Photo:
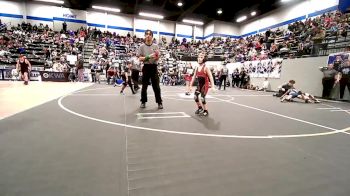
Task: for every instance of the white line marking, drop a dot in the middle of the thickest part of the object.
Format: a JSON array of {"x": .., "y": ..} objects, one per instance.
[
  {"x": 114, "y": 94},
  {"x": 249, "y": 95},
  {"x": 340, "y": 110},
  {"x": 276, "y": 114},
  {"x": 346, "y": 130},
  {"x": 59, "y": 101},
  {"x": 126, "y": 148},
  {"x": 196, "y": 134},
  {"x": 191, "y": 98},
  {"x": 334, "y": 107},
  {"x": 182, "y": 95},
  {"x": 163, "y": 113},
  {"x": 144, "y": 115},
  {"x": 92, "y": 89},
  {"x": 327, "y": 108},
  {"x": 76, "y": 95},
  {"x": 158, "y": 117},
  {"x": 331, "y": 101}
]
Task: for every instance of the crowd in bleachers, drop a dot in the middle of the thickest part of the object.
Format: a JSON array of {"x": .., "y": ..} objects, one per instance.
[
  {"x": 43, "y": 47},
  {"x": 110, "y": 52},
  {"x": 298, "y": 39},
  {"x": 301, "y": 38}
]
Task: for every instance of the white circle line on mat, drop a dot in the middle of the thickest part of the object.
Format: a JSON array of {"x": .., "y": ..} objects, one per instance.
[{"x": 334, "y": 131}]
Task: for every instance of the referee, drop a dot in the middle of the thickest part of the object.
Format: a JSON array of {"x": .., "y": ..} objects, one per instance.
[{"x": 148, "y": 53}]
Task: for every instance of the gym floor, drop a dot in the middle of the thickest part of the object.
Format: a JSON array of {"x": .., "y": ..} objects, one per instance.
[{"x": 90, "y": 140}]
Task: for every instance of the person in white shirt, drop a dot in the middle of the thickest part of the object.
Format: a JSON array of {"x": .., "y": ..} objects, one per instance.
[
  {"x": 136, "y": 66},
  {"x": 265, "y": 85}
]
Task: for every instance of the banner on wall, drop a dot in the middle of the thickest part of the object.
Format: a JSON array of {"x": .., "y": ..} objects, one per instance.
[
  {"x": 54, "y": 76},
  {"x": 12, "y": 74},
  {"x": 337, "y": 59},
  {"x": 270, "y": 68},
  {"x": 72, "y": 59}
]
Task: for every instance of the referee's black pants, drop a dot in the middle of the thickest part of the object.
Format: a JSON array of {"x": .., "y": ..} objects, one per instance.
[
  {"x": 222, "y": 79},
  {"x": 328, "y": 84},
  {"x": 150, "y": 71},
  {"x": 344, "y": 82}
]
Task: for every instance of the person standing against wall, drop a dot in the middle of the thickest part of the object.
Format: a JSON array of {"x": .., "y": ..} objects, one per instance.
[
  {"x": 344, "y": 77},
  {"x": 64, "y": 27},
  {"x": 235, "y": 78},
  {"x": 80, "y": 69},
  {"x": 148, "y": 53},
  {"x": 329, "y": 74},
  {"x": 223, "y": 76}
]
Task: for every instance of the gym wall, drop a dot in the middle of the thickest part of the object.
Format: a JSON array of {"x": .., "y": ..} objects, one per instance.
[{"x": 306, "y": 73}]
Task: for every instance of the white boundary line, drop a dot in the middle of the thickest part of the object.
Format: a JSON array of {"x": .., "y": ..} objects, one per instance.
[
  {"x": 126, "y": 148},
  {"x": 92, "y": 89},
  {"x": 246, "y": 95},
  {"x": 332, "y": 107},
  {"x": 170, "y": 96},
  {"x": 327, "y": 108},
  {"x": 191, "y": 99},
  {"x": 331, "y": 101},
  {"x": 163, "y": 113},
  {"x": 144, "y": 115},
  {"x": 86, "y": 94},
  {"x": 200, "y": 134},
  {"x": 276, "y": 114},
  {"x": 339, "y": 110},
  {"x": 164, "y": 117}
]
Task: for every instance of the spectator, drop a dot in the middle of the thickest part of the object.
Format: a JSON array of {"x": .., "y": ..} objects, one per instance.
[
  {"x": 223, "y": 73},
  {"x": 317, "y": 40},
  {"x": 328, "y": 80},
  {"x": 64, "y": 27},
  {"x": 80, "y": 68},
  {"x": 265, "y": 85},
  {"x": 343, "y": 77}
]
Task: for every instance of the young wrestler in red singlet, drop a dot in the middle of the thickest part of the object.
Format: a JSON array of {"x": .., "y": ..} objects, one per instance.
[{"x": 204, "y": 75}]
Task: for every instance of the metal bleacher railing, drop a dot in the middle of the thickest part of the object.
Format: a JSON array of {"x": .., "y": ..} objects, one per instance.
[{"x": 334, "y": 44}]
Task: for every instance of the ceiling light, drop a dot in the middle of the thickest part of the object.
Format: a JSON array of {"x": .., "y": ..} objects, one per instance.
[
  {"x": 253, "y": 13},
  {"x": 179, "y": 4},
  {"x": 284, "y": 1},
  {"x": 106, "y": 8},
  {"x": 242, "y": 18},
  {"x": 193, "y": 22},
  {"x": 219, "y": 11},
  {"x": 151, "y": 15},
  {"x": 52, "y": 1}
]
